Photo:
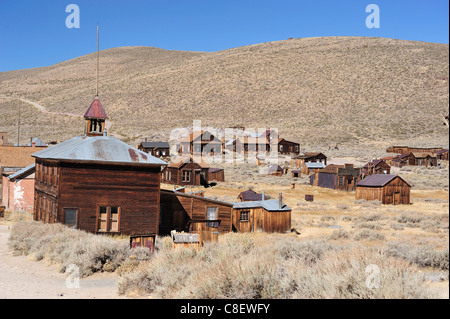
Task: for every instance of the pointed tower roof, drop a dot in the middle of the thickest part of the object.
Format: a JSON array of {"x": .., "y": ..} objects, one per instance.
[{"x": 95, "y": 110}]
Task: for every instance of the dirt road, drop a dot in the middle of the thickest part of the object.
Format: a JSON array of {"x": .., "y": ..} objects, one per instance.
[{"x": 22, "y": 278}]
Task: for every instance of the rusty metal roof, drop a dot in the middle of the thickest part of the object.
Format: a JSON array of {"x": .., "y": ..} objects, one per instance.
[
  {"x": 378, "y": 180},
  {"x": 101, "y": 149},
  {"x": 95, "y": 110}
]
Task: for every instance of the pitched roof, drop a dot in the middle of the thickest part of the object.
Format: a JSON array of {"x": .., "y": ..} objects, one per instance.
[
  {"x": 214, "y": 170},
  {"x": 155, "y": 144},
  {"x": 102, "y": 149},
  {"x": 95, "y": 110},
  {"x": 251, "y": 195},
  {"x": 17, "y": 156},
  {"x": 378, "y": 180},
  {"x": 423, "y": 154},
  {"x": 332, "y": 168},
  {"x": 24, "y": 172},
  {"x": 314, "y": 164},
  {"x": 309, "y": 155},
  {"x": 274, "y": 168},
  {"x": 180, "y": 161},
  {"x": 204, "y": 136}
]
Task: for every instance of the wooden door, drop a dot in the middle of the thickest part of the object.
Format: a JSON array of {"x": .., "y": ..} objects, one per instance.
[{"x": 397, "y": 199}]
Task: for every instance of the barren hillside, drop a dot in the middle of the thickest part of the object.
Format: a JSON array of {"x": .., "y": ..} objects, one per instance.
[{"x": 318, "y": 91}]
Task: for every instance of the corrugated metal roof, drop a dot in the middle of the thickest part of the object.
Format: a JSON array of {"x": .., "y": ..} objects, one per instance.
[
  {"x": 96, "y": 110},
  {"x": 29, "y": 169},
  {"x": 315, "y": 165},
  {"x": 155, "y": 144},
  {"x": 378, "y": 180},
  {"x": 271, "y": 205},
  {"x": 104, "y": 149}
]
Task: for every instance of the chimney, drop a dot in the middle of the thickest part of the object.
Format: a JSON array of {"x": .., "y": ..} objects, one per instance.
[
  {"x": 33, "y": 144},
  {"x": 280, "y": 201},
  {"x": 262, "y": 196},
  {"x": 146, "y": 139}
]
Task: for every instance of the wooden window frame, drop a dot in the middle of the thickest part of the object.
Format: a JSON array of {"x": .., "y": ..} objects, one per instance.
[
  {"x": 341, "y": 181},
  {"x": 188, "y": 175},
  {"x": 108, "y": 218},
  {"x": 244, "y": 213}
]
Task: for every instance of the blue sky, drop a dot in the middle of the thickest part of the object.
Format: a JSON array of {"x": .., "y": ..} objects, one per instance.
[{"x": 34, "y": 33}]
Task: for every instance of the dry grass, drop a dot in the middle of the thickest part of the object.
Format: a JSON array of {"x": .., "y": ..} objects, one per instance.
[
  {"x": 283, "y": 267},
  {"x": 59, "y": 245}
]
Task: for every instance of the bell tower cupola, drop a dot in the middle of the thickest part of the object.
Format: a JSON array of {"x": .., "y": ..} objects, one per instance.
[{"x": 95, "y": 118}]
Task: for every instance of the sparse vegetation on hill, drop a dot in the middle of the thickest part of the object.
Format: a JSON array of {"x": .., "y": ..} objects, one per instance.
[{"x": 363, "y": 90}]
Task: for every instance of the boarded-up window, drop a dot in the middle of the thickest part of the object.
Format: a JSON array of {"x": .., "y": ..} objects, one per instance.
[
  {"x": 102, "y": 218},
  {"x": 114, "y": 218},
  {"x": 211, "y": 213},
  {"x": 108, "y": 218},
  {"x": 70, "y": 217}
]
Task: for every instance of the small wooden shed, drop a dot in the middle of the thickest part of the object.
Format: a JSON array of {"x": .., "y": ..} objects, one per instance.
[
  {"x": 388, "y": 189},
  {"x": 377, "y": 166},
  {"x": 262, "y": 216}
]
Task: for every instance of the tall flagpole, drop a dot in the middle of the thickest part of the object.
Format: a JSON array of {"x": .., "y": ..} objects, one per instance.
[{"x": 96, "y": 94}]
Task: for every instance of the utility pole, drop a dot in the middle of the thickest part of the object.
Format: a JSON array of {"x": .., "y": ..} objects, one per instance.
[{"x": 18, "y": 128}]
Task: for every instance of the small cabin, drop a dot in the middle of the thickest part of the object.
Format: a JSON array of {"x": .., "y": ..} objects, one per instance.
[
  {"x": 287, "y": 147},
  {"x": 275, "y": 169},
  {"x": 186, "y": 171},
  {"x": 184, "y": 212},
  {"x": 377, "y": 166},
  {"x": 388, "y": 189},
  {"x": 216, "y": 174},
  {"x": 251, "y": 195},
  {"x": 309, "y": 167},
  {"x": 271, "y": 216},
  {"x": 341, "y": 177},
  {"x": 200, "y": 143},
  {"x": 422, "y": 159},
  {"x": 316, "y": 157},
  {"x": 156, "y": 149}
]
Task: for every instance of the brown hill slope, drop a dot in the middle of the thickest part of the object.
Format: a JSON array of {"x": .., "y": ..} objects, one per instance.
[{"x": 315, "y": 90}]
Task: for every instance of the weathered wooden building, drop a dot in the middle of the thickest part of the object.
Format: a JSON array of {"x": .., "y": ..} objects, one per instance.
[
  {"x": 262, "y": 216},
  {"x": 156, "y": 149},
  {"x": 246, "y": 144},
  {"x": 286, "y": 147},
  {"x": 275, "y": 169},
  {"x": 216, "y": 174},
  {"x": 98, "y": 183},
  {"x": 442, "y": 155},
  {"x": 186, "y": 171},
  {"x": 386, "y": 188},
  {"x": 377, "y": 166},
  {"x": 309, "y": 167},
  {"x": 315, "y": 157},
  {"x": 422, "y": 159},
  {"x": 200, "y": 142},
  {"x": 409, "y": 149},
  {"x": 194, "y": 214},
  {"x": 251, "y": 195},
  {"x": 341, "y": 177}
]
